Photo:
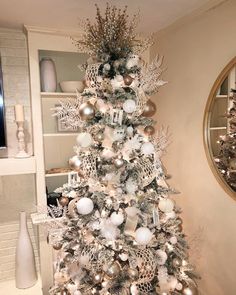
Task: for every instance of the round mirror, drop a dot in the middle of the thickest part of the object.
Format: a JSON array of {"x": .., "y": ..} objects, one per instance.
[{"x": 220, "y": 128}]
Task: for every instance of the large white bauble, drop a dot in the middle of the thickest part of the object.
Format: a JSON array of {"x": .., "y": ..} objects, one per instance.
[
  {"x": 147, "y": 148},
  {"x": 143, "y": 235},
  {"x": 84, "y": 206},
  {"x": 166, "y": 205},
  {"x": 129, "y": 106},
  {"x": 117, "y": 218},
  {"x": 134, "y": 290},
  {"x": 161, "y": 257},
  {"x": 84, "y": 139}
]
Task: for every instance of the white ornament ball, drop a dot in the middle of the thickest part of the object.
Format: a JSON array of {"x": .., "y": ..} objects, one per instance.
[
  {"x": 173, "y": 240},
  {"x": 130, "y": 131},
  {"x": 143, "y": 235},
  {"x": 134, "y": 290},
  {"x": 129, "y": 106},
  {"x": 84, "y": 206},
  {"x": 179, "y": 287},
  {"x": 119, "y": 78},
  {"x": 147, "y": 148},
  {"x": 107, "y": 67},
  {"x": 84, "y": 139},
  {"x": 124, "y": 256},
  {"x": 117, "y": 218},
  {"x": 161, "y": 257},
  {"x": 77, "y": 293},
  {"x": 166, "y": 205}
]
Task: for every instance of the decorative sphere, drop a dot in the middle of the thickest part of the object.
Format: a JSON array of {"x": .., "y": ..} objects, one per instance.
[
  {"x": 119, "y": 162},
  {"x": 98, "y": 277},
  {"x": 99, "y": 136},
  {"x": 84, "y": 139},
  {"x": 161, "y": 257},
  {"x": 57, "y": 246},
  {"x": 63, "y": 201},
  {"x": 133, "y": 273},
  {"x": 107, "y": 67},
  {"x": 149, "y": 130},
  {"x": 190, "y": 290},
  {"x": 117, "y": 218},
  {"x": 176, "y": 262},
  {"x": 75, "y": 163},
  {"x": 128, "y": 80},
  {"x": 147, "y": 148},
  {"x": 166, "y": 205},
  {"x": 129, "y": 106},
  {"x": 86, "y": 111},
  {"x": 173, "y": 240},
  {"x": 179, "y": 287},
  {"x": 77, "y": 293},
  {"x": 143, "y": 235},
  {"x": 113, "y": 270},
  {"x": 149, "y": 109},
  {"x": 134, "y": 290},
  {"x": 84, "y": 206}
]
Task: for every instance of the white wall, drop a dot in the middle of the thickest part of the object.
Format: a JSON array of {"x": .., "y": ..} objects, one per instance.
[{"x": 196, "y": 49}]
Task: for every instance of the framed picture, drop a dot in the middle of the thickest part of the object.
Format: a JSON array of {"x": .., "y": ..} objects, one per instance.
[{"x": 2, "y": 119}]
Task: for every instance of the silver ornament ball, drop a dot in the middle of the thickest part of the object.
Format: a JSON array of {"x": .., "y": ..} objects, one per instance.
[
  {"x": 75, "y": 163},
  {"x": 119, "y": 162},
  {"x": 133, "y": 273},
  {"x": 190, "y": 290},
  {"x": 113, "y": 270}
]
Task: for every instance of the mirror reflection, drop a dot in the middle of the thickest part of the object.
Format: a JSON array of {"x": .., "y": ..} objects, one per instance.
[{"x": 222, "y": 128}]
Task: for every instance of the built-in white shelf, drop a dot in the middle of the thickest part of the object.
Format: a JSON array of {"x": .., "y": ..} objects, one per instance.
[
  {"x": 58, "y": 94},
  {"x": 14, "y": 166},
  {"x": 56, "y": 174},
  {"x": 218, "y": 128},
  {"x": 59, "y": 134}
]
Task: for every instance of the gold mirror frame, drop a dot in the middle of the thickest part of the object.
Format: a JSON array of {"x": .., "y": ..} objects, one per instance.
[{"x": 206, "y": 128}]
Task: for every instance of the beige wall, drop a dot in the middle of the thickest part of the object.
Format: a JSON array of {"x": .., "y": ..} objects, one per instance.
[{"x": 196, "y": 50}]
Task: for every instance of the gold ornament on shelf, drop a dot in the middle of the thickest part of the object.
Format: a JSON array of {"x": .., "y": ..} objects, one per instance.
[
  {"x": 128, "y": 80},
  {"x": 86, "y": 111},
  {"x": 149, "y": 109},
  {"x": 149, "y": 130},
  {"x": 63, "y": 201}
]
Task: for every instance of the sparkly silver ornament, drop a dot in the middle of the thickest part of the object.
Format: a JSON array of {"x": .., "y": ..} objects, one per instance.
[
  {"x": 75, "y": 163},
  {"x": 86, "y": 111}
]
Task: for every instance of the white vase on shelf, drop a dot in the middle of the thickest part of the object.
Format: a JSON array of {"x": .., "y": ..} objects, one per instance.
[
  {"x": 26, "y": 275},
  {"x": 48, "y": 75}
]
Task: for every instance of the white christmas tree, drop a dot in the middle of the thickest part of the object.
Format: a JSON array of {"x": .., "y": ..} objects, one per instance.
[{"x": 120, "y": 232}]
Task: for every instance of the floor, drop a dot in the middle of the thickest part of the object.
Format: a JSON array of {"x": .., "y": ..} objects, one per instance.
[{"x": 8, "y": 287}]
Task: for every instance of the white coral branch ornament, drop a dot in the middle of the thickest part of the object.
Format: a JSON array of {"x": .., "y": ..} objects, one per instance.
[{"x": 150, "y": 76}]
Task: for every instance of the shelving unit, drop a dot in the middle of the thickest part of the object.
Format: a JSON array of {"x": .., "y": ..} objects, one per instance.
[{"x": 14, "y": 166}]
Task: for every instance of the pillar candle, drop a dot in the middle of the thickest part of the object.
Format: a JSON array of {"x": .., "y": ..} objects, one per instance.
[{"x": 19, "y": 113}]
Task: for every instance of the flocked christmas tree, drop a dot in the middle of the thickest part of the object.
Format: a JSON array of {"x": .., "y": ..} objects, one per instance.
[
  {"x": 120, "y": 232},
  {"x": 226, "y": 161}
]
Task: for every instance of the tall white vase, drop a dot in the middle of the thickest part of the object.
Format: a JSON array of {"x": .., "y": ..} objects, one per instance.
[
  {"x": 26, "y": 275},
  {"x": 48, "y": 75}
]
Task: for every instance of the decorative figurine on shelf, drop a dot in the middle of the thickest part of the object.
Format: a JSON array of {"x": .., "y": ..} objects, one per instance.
[{"x": 20, "y": 118}]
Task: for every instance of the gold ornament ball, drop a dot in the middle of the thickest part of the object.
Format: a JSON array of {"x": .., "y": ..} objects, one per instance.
[
  {"x": 99, "y": 136},
  {"x": 190, "y": 290},
  {"x": 176, "y": 262},
  {"x": 119, "y": 162},
  {"x": 149, "y": 109},
  {"x": 63, "y": 201},
  {"x": 127, "y": 80},
  {"x": 57, "y": 246},
  {"x": 149, "y": 130},
  {"x": 113, "y": 270},
  {"x": 75, "y": 163},
  {"x": 133, "y": 273},
  {"x": 97, "y": 278},
  {"x": 86, "y": 111}
]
